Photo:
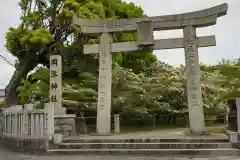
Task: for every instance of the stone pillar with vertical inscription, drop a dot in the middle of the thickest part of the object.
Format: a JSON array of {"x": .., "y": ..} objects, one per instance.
[
  {"x": 55, "y": 95},
  {"x": 193, "y": 73},
  {"x": 104, "y": 86}
]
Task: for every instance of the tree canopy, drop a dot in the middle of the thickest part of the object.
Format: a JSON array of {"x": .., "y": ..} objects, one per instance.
[{"x": 46, "y": 29}]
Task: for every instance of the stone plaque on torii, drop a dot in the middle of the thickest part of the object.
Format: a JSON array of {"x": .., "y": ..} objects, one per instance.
[{"x": 145, "y": 28}]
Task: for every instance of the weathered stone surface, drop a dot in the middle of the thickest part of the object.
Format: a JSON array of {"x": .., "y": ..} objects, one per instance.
[
  {"x": 81, "y": 127},
  {"x": 104, "y": 86},
  {"x": 145, "y": 33},
  {"x": 116, "y": 123},
  {"x": 205, "y": 41},
  {"x": 65, "y": 125},
  {"x": 238, "y": 113},
  {"x": 238, "y": 144},
  {"x": 233, "y": 136},
  {"x": 200, "y": 18},
  {"x": 129, "y": 144},
  {"x": 1, "y": 124},
  {"x": 149, "y": 140},
  {"x": 232, "y": 120},
  {"x": 17, "y": 108},
  {"x": 194, "y": 93},
  {"x": 55, "y": 87},
  {"x": 6, "y": 155},
  {"x": 159, "y": 152},
  {"x": 121, "y": 145},
  {"x": 143, "y": 145},
  {"x": 58, "y": 138},
  {"x": 26, "y": 145}
]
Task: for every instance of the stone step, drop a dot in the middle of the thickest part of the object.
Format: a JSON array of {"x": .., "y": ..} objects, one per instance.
[
  {"x": 161, "y": 152},
  {"x": 148, "y": 140},
  {"x": 142, "y": 145}
]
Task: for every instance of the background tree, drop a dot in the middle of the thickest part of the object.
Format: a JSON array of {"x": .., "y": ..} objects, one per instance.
[{"x": 46, "y": 29}]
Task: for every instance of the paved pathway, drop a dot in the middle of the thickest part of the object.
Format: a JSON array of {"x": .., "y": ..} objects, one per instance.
[
  {"x": 165, "y": 133},
  {"x": 7, "y": 155},
  {"x": 15, "y": 156}
]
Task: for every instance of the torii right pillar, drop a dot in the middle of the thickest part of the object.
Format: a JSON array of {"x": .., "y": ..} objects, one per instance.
[
  {"x": 192, "y": 70},
  {"x": 193, "y": 74}
]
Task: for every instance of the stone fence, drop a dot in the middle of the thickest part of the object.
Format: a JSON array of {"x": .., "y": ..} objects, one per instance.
[{"x": 28, "y": 129}]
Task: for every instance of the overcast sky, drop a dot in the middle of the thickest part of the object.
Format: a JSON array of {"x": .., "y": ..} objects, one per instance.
[{"x": 227, "y": 30}]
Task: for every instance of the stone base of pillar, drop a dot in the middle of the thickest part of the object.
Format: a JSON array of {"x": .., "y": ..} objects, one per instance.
[
  {"x": 197, "y": 134},
  {"x": 65, "y": 124},
  {"x": 101, "y": 134}
]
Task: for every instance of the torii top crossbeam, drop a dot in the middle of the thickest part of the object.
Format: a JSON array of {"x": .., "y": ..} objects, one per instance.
[{"x": 202, "y": 18}]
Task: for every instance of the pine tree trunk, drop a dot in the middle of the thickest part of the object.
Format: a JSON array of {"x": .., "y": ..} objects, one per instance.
[{"x": 11, "y": 93}]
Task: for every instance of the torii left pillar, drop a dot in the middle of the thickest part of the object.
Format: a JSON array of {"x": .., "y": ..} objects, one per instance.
[{"x": 104, "y": 85}]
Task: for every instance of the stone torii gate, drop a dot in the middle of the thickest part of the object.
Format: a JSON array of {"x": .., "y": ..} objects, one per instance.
[{"x": 145, "y": 27}]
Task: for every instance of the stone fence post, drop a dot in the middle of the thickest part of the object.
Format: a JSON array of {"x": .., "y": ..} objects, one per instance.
[
  {"x": 116, "y": 123},
  {"x": 49, "y": 111}
]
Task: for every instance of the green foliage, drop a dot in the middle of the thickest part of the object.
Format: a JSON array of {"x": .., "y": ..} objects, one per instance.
[
  {"x": 35, "y": 88},
  {"x": 13, "y": 38},
  {"x": 133, "y": 95},
  {"x": 229, "y": 79}
]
